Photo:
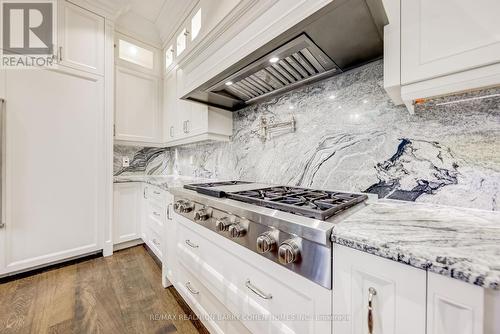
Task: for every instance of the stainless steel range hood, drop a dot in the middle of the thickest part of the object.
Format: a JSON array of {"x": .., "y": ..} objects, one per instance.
[{"x": 343, "y": 35}]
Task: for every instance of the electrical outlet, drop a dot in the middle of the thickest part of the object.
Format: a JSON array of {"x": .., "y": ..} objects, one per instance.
[{"x": 125, "y": 162}]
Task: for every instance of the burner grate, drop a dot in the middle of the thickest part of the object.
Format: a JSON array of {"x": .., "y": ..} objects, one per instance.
[{"x": 319, "y": 204}]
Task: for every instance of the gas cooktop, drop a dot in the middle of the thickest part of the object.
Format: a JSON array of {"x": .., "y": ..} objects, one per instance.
[{"x": 318, "y": 204}]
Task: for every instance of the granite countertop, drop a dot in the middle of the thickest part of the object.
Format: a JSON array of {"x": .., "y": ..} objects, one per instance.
[
  {"x": 162, "y": 181},
  {"x": 460, "y": 243}
]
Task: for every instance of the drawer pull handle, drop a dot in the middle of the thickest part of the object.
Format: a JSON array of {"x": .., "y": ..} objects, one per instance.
[
  {"x": 169, "y": 216},
  {"x": 156, "y": 192},
  {"x": 371, "y": 293},
  {"x": 156, "y": 214},
  {"x": 190, "y": 244},
  {"x": 190, "y": 288},
  {"x": 257, "y": 291}
]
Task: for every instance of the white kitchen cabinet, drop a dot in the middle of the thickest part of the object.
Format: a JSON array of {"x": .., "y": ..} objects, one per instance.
[
  {"x": 173, "y": 119},
  {"x": 127, "y": 208},
  {"x": 156, "y": 203},
  {"x": 447, "y": 36},
  {"x": 399, "y": 305},
  {"x": 137, "y": 112},
  {"x": 52, "y": 213},
  {"x": 435, "y": 48},
  {"x": 455, "y": 307},
  {"x": 249, "y": 285},
  {"x": 169, "y": 234},
  {"x": 80, "y": 38},
  {"x": 188, "y": 122}
]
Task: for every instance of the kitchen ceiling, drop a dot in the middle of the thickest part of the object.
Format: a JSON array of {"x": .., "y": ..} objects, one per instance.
[{"x": 164, "y": 15}]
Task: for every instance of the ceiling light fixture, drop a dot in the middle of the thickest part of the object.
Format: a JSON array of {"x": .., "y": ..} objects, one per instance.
[
  {"x": 274, "y": 60},
  {"x": 332, "y": 97}
]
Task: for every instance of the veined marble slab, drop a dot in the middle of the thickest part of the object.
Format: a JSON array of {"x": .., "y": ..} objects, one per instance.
[{"x": 460, "y": 243}]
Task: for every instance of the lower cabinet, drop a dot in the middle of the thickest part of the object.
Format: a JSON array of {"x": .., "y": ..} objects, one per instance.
[
  {"x": 126, "y": 212},
  {"x": 455, "y": 307},
  {"x": 261, "y": 296},
  {"x": 141, "y": 211},
  {"x": 374, "y": 295}
]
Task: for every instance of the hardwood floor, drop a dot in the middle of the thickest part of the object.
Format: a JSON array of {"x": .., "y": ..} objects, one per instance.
[{"x": 118, "y": 294}]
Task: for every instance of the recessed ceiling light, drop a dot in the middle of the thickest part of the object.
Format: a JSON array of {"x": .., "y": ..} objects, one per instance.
[
  {"x": 274, "y": 59},
  {"x": 291, "y": 107},
  {"x": 340, "y": 107},
  {"x": 332, "y": 97},
  {"x": 365, "y": 101},
  {"x": 229, "y": 83}
]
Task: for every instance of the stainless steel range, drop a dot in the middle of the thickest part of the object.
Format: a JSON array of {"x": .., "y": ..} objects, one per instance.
[{"x": 290, "y": 226}]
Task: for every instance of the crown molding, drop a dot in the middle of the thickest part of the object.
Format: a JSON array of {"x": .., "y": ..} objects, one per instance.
[
  {"x": 173, "y": 9},
  {"x": 220, "y": 31},
  {"x": 110, "y": 9}
]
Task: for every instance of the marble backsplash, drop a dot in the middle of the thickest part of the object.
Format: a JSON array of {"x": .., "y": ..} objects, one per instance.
[{"x": 350, "y": 136}]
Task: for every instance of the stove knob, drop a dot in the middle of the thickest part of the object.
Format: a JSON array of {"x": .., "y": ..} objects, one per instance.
[
  {"x": 186, "y": 207},
  {"x": 178, "y": 204},
  {"x": 289, "y": 251},
  {"x": 202, "y": 215},
  {"x": 266, "y": 242},
  {"x": 223, "y": 224},
  {"x": 236, "y": 231}
]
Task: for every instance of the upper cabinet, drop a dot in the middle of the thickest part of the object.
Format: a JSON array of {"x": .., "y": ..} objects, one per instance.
[
  {"x": 447, "y": 36},
  {"x": 187, "y": 122},
  {"x": 80, "y": 39},
  {"x": 137, "y": 93},
  {"x": 445, "y": 47}
]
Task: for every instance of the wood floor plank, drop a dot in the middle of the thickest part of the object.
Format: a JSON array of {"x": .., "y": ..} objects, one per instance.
[{"x": 119, "y": 294}]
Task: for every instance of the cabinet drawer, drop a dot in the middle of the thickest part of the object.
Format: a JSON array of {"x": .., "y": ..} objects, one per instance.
[
  {"x": 153, "y": 193},
  {"x": 154, "y": 241},
  {"x": 237, "y": 279},
  {"x": 207, "y": 307},
  {"x": 155, "y": 217}
]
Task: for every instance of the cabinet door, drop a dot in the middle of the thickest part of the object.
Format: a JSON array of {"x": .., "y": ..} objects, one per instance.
[
  {"x": 191, "y": 116},
  {"x": 173, "y": 128},
  {"x": 398, "y": 305},
  {"x": 447, "y": 36},
  {"x": 126, "y": 212},
  {"x": 136, "y": 106},
  {"x": 454, "y": 307},
  {"x": 53, "y": 212},
  {"x": 170, "y": 242},
  {"x": 81, "y": 38},
  {"x": 197, "y": 118}
]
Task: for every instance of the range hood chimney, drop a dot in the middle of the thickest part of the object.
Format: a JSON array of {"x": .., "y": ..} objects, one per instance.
[{"x": 343, "y": 35}]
